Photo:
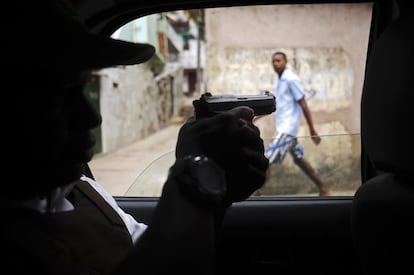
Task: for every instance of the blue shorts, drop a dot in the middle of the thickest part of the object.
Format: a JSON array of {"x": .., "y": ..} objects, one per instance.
[{"x": 280, "y": 145}]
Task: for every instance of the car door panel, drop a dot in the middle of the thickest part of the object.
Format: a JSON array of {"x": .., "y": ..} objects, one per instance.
[{"x": 278, "y": 235}]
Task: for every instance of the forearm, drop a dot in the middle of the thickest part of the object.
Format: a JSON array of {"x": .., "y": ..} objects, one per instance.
[
  {"x": 307, "y": 116},
  {"x": 309, "y": 121},
  {"x": 180, "y": 238}
]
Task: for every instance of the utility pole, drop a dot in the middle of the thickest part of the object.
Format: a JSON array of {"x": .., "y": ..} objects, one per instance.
[{"x": 200, "y": 22}]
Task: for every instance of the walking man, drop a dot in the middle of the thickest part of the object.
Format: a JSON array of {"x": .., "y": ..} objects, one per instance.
[{"x": 291, "y": 103}]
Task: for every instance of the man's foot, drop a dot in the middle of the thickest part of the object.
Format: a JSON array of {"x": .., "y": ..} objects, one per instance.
[{"x": 325, "y": 192}]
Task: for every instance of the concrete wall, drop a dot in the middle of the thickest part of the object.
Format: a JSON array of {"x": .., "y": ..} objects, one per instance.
[
  {"x": 135, "y": 104},
  {"x": 325, "y": 44}
]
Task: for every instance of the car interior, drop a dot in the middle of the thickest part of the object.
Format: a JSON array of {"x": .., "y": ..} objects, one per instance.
[{"x": 369, "y": 232}]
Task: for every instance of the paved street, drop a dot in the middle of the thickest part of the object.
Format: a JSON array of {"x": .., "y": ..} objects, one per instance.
[
  {"x": 117, "y": 171},
  {"x": 141, "y": 168}
]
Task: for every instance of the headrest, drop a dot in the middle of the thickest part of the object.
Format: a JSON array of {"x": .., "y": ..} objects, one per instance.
[{"x": 387, "y": 109}]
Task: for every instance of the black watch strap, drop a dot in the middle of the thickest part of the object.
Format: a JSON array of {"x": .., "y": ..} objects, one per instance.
[{"x": 200, "y": 179}]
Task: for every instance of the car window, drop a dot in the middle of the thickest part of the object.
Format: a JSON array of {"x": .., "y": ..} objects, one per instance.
[
  {"x": 229, "y": 51},
  {"x": 341, "y": 172}
]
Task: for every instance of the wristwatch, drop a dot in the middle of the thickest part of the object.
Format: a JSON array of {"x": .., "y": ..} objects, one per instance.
[{"x": 200, "y": 179}]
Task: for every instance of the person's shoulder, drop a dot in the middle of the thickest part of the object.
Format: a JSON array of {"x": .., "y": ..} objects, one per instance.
[{"x": 289, "y": 75}]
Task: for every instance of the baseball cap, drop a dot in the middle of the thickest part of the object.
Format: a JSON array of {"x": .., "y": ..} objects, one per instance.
[{"x": 49, "y": 34}]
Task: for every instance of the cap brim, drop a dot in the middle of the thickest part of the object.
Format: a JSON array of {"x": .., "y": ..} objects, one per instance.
[
  {"x": 64, "y": 42},
  {"x": 100, "y": 52}
]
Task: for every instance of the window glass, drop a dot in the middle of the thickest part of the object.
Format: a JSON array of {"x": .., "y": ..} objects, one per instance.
[{"x": 229, "y": 51}]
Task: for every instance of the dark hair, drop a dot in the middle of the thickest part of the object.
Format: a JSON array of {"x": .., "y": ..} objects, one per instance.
[{"x": 281, "y": 53}]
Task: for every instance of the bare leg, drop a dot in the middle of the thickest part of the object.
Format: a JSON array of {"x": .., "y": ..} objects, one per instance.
[{"x": 310, "y": 172}]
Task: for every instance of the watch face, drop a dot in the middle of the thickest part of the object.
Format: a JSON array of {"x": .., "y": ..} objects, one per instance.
[
  {"x": 211, "y": 178},
  {"x": 207, "y": 184}
]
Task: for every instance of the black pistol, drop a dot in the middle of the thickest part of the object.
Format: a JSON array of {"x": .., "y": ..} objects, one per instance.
[{"x": 209, "y": 105}]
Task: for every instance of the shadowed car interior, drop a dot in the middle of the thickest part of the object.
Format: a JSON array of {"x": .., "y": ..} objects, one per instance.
[
  {"x": 367, "y": 227},
  {"x": 320, "y": 236}
]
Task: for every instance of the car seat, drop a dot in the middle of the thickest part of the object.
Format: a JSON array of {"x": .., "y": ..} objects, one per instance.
[{"x": 383, "y": 207}]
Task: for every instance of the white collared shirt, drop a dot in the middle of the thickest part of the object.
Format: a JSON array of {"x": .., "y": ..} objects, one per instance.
[
  {"x": 57, "y": 202},
  {"x": 288, "y": 91}
]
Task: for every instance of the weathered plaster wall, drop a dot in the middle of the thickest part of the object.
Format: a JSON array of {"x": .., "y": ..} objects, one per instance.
[
  {"x": 134, "y": 104},
  {"x": 326, "y": 46}
]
